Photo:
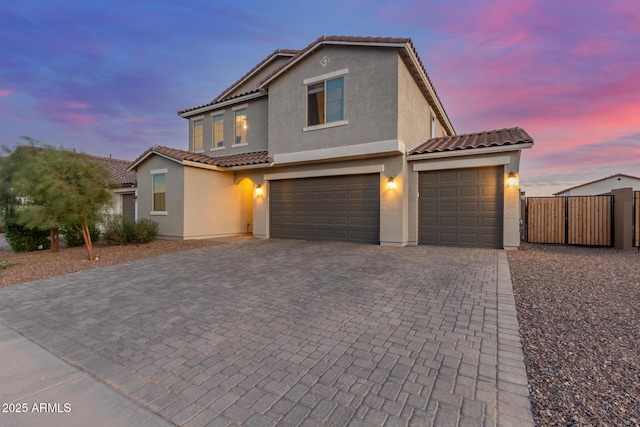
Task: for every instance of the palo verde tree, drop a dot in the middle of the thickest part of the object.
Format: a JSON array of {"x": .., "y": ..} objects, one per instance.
[{"x": 59, "y": 188}]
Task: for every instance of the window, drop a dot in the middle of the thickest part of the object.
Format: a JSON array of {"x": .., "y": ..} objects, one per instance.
[
  {"x": 325, "y": 102},
  {"x": 433, "y": 127},
  {"x": 197, "y": 135},
  {"x": 218, "y": 131},
  {"x": 159, "y": 192},
  {"x": 241, "y": 127}
]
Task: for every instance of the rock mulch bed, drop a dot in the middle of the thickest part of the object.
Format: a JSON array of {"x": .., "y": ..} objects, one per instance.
[
  {"x": 25, "y": 267},
  {"x": 579, "y": 314}
]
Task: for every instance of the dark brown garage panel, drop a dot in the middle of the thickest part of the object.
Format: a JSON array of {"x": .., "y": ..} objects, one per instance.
[
  {"x": 461, "y": 207},
  {"x": 326, "y": 208}
]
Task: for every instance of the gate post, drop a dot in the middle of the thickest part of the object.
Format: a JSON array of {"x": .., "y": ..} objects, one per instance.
[{"x": 623, "y": 218}]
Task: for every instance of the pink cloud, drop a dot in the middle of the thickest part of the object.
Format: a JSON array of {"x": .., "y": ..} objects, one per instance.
[
  {"x": 67, "y": 112},
  {"x": 77, "y": 105},
  {"x": 5, "y": 92}
]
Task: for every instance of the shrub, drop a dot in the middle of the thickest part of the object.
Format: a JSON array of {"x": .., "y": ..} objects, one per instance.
[
  {"x": 114, "y": 230},
  {"x": 22, "y": 239},
  {"x": 143, "y": 231},
  {"x": 72, "y": 237},
  {"x": 120, "y": 230}
]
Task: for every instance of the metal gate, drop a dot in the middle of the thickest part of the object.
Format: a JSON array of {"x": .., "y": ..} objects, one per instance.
[{"x": 572, "y": 220}]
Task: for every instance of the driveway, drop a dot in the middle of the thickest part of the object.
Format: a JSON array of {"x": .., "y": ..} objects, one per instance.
[{"x": 282, "y": 332}]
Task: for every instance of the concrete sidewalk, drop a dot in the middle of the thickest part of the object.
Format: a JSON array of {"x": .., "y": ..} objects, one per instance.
[{"x": 40, "y": 389}]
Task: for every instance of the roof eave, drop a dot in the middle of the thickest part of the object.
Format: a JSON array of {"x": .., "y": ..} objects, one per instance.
[
  {"x": 135, "y": 164},
  {"x": 430, "y": 89},
  {"x": 470, "y": 151},
  {"x": 263, "y": 85},
  {"x": 252, "y": 73},
  {"x": 211, "y": 107}
]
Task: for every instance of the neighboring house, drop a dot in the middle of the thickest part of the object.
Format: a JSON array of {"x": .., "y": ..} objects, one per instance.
[
  {"x": 345, "y": 139},
  {"x": 125, "y": 192},
  {"x": 602, "y": 186}
]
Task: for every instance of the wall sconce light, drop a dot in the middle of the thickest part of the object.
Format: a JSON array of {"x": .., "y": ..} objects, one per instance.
[
  {"x": 391, "y": 184},
  {"x": 512, "y": 179},
  {"x": 259, "y": 190}
]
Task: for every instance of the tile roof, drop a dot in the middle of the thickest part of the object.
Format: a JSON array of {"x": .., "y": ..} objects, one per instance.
[
  {"x": 491, "y": 138},
  {"x": 118, "y": 169},
  {"x": 335, "y": 39},
  {"x": 240, "y": 95},
  {"x": 274, "y": 54},
  {"x": 409, "y": 54},
  {"x": 244, "y": 159},
  {"x": 221, "y": 97}
]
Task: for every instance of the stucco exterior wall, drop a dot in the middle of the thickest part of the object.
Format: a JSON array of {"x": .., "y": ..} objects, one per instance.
[
  {"x": 414, "y": 112},
  {"x": 171, "y": 224},
  {"x": 257, "y": 125},
  {"x": 370, "y": 100},
  {"x": 214, "y": 205}
]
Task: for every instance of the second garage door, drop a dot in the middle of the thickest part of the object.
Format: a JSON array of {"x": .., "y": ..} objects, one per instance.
[
  {"x": 461, "y": 207},
  {"x": 326, "y": 208}
]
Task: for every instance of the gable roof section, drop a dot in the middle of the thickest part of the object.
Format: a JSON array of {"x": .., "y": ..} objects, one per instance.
[
  {"x": 492, "y": 138},
  {"x": 224, "y": 95},
  {"x": 407, "y": 52},
  {"x": 195, "y": 159},
  {"x": 118, "y": 169},
  {"x": 596, "y": 181},
  {"x": 277, "y": 53}
]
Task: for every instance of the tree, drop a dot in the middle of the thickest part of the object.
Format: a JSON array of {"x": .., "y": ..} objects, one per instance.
[{"x": 57, "y": 188}]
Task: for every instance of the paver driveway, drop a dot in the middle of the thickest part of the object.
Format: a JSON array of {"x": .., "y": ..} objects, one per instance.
[{"x": 292, "y": 333}]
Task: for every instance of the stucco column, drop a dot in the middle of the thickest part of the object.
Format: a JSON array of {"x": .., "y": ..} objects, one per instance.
[
  {"x": 511, "y": 215},
  {"x": 623, "y": 218}
]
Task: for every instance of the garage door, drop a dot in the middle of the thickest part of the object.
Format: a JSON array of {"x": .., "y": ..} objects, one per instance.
[
  {"x": 328, "y": 208},
  {"x": 461, "y": 207}
]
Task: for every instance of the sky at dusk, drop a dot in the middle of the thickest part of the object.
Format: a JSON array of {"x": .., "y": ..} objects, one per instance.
[{"x": 107, "y": 77}]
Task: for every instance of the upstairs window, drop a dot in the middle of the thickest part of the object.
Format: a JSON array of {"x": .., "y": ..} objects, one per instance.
[
  {"x": 159, "y": 192},
  {"x": 197, "y": 135},
  {"x": 241, "y": 127},
  {"x": 325, "y": 102},
  {"x": 218, "y": 131}
]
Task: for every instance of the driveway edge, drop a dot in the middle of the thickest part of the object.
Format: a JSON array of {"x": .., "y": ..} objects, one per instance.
[{"x": 513, "y": 404}]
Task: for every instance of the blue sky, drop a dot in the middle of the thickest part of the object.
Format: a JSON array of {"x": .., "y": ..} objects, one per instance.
[{"x": 107, "y": 77}]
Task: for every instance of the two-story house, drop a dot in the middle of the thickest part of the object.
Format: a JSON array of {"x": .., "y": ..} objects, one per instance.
[{"x": 345, "y": 139}]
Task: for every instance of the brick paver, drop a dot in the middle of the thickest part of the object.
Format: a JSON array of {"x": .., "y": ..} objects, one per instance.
[{"x": 293, "y": 333}]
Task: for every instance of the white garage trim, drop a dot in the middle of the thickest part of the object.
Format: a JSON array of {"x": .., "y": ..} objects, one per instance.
[
  {"x": 358, "y": 170},
  {"x": 367, "y": 149},
  {"x": 467, "y": 163},
  {"x": 469, "y": 152}
]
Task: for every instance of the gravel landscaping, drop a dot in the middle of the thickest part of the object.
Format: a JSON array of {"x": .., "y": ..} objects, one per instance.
[
  {"x": 579, "y": 314},
  {"x": 28, "y": 266}
]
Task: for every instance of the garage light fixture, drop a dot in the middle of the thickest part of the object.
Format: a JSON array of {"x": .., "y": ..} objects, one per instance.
[
  {"x": 258, "y": 190},
  {"x": 512, "y": 179},
  {"x": 391, "y": 184}
]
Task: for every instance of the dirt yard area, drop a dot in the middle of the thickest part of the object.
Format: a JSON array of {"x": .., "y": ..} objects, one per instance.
[
  {"x": 25, "y": 267},
  {"x": 579, "y": 314}
]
